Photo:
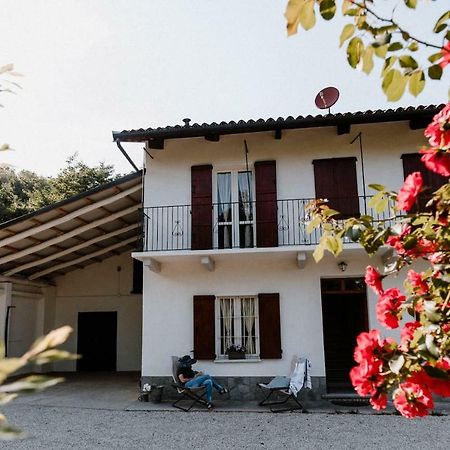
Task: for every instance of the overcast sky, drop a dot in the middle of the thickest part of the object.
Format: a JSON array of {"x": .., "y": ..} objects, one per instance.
[{"x": 93, "y": 66}]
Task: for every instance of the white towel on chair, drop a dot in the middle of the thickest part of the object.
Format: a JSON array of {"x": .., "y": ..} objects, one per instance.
[{"x": 300, "y": 377}]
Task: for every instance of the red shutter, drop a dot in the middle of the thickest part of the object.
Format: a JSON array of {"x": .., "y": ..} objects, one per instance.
[
  {"x": 204, "y": 329},
  {"x": 432, "y": 181},
  {"x": 201, "y": 196},
  {"x": 335, "y": 179},
  {"x": 266, "y": 204},
  {"x": 269, "y": 326}
]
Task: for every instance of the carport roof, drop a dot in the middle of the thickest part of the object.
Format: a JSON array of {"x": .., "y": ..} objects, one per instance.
[{"x": 73, "y": 233}]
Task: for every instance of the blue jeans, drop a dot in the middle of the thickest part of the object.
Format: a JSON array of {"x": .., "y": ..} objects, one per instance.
[{"x": 205, "y": 380}]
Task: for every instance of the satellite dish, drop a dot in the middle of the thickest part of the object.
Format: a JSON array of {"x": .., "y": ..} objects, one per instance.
[{"x": 327, "y": 97}]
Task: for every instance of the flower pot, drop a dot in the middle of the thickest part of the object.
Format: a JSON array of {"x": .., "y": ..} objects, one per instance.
[{"x": 236, "y": 355}]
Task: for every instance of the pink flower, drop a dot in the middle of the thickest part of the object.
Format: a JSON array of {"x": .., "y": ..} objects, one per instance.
[
  {"x": 366, "y": 377},
  {"x": 373, "y": 279},
  {"x": 367, "y": 345},
  {"x": 412, "y": 400},
  {"x": 407, "y": 332},
  {"x": 388, "y": 307},
  {"x": 379, "y": 401},
  {"x": 436, "y": 161},
  {"x": 438, "y": 132},
  {"x": 408, "y": 193},
  {"x": 420, "y": 286},
  {"x": 445, "y": 61}
]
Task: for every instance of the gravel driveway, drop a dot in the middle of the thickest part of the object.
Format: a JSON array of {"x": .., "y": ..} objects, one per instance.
[{"x": 77, "y": 428}]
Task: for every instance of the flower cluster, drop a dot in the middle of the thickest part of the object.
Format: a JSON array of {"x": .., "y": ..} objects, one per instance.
[
  {"x": 235, "y": 348},
  {"x": 419, "y": 366}
]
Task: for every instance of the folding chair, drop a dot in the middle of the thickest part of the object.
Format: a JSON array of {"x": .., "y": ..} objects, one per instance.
[
  {"x": 194, "y": 395},
  {"x": 287, "y": 387}
]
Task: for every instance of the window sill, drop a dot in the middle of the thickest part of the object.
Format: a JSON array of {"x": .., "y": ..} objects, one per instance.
[{"x": 233, "y": 361}]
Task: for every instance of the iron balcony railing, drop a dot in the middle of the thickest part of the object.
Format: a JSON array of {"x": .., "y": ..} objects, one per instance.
[{"x": 234, "y": 224}]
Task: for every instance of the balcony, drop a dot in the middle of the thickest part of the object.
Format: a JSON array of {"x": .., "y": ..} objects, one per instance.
[{"x": 237, "y": 225}]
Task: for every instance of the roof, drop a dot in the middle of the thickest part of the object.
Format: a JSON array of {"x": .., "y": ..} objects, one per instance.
[
  {"x": 209, "y": 130},
  {"x": 73, "y": 233}
]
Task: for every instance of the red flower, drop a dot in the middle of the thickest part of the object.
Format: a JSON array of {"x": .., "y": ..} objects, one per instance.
[
  {"x": 366, "y": 377},
  {"x": 379, "y": 401},
  {"x": 373, "y": 279},
  {"x": 388, "y": 307},
  {"x": 438, "y": 132},
  {"x": 367, "y": 345},
  {"x": 396, "y": 241},
  {"x": 408, "y": 193},
  {"x": 440, "y": 386},
  {"x": 412, "y": 400},
  {"x": 445, "y": 61},
  {"x": 407, "y": 332},
  {"x": 436, "y": 160},
  {"x": 417, "y": 282}
]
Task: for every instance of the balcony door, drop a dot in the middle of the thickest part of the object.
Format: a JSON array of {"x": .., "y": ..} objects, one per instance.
[
  {"x": 234, "y": 210},
  {"x": 335, "y": 179}
]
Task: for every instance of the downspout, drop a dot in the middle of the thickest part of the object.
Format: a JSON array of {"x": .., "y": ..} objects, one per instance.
[{"x": 124, "y": 153}]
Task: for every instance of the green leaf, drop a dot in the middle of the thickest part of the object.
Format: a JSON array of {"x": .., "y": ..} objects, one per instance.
[
  {"x": 413, "y": 47},
  {"x": 381, "y": 50},
  {"x": 354, "y": 51},
  {"x": 394, "y": 84},
  {"x": 368, "y": 60},
  {"x": 435, "y": 57},
  {"x": 307, "y": 14},
  {"x": 377, "y": 187},
  {"x": 319, "y": 251},
  {"x": 347, "y": 33},
  {"x": 334, "y": 245},
  {"x": 431, "y": 345},
  {"x": 435, "y": 72},
  {"x": 408, "y": 61},
  {"x": 416, "y": 83},
  {"x": 395, "y": 46},
  {"x": 327, "y": 9},
  {"x": 388, "y": 63},
  {"x": 313, "y": 224},
  {"x": 396, "y": 363},
  {"x": 440, "y": 24}
]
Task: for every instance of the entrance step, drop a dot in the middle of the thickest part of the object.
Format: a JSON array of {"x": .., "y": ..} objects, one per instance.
[{"x": 346, "y": 399}]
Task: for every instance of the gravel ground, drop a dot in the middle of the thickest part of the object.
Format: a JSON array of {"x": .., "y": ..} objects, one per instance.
[{"x": 72, "y": 428}]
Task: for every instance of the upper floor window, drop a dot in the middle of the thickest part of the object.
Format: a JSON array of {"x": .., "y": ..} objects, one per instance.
[{"x": 234, "y": 209}]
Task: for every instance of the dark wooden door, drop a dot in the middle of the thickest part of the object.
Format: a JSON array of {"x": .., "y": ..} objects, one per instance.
[
  {"x": 344, "y": 316},
  {"x": 97, "y": 341}
]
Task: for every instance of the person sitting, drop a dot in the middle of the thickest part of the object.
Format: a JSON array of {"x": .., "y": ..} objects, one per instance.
[{"x": 192, "y": 379}]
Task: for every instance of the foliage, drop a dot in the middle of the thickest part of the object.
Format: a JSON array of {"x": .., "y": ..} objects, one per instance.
[
  {"x": 25, "y": 191},
  {"x": 371, "y": 34},
  {"x": 41, "y": 352},
  {"x": 420, "y": 364}
]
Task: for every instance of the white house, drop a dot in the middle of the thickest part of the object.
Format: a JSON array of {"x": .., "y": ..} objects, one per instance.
[{"x": 227, "y": 259}]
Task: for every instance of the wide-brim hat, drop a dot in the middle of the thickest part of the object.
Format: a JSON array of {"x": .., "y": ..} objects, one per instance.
[{"x": 186, "y": 361}]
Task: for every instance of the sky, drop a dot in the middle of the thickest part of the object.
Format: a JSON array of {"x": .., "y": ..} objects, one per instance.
[{"x": 93, "y": 66}]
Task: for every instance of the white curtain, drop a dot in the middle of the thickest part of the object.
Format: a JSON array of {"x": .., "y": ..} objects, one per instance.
[
  {"x": 244, "y": 181},
  {"x": 224, "y": 206},
  {"x": 248, "y": 313},
  {"x": 226, "y": 312}
]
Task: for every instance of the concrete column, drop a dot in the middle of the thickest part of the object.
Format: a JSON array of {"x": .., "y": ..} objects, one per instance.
[{"x": 45, "y": 320}]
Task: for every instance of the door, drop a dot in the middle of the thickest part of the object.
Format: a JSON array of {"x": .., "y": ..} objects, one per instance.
[
  {"x": 344, "y": 316},
  {"x": 97, "y": 341}
]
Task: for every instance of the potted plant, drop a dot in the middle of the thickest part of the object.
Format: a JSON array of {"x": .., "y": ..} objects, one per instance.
[{"x": 236, "y": 351}]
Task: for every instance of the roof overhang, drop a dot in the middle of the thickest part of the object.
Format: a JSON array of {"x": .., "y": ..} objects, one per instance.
[
  {"x": 73, "y": 233},
  {"x": 418, "y": 117}
]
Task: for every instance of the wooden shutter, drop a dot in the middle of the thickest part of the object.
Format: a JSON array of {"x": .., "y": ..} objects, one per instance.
[
  {"x": 204, "y": 330},
  {"x": 266, "y": 204},
  {"x": 201, "y": 199},
  {"x": 432, "y": 181},
  {"x": 335, "y": 179},
  {"x": 269, "y": 326}
]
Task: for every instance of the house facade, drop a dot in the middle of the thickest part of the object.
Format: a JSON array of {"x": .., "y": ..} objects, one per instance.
[{"x": 228, "y": 268}]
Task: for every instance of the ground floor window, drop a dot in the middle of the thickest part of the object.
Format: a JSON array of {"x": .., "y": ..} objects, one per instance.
[{"x": 237, "y": 326}]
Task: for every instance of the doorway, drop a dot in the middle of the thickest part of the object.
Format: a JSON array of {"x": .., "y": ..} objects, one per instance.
[
  {"x": 344, "y": 316},
  {"x": 97, "y": 341}
]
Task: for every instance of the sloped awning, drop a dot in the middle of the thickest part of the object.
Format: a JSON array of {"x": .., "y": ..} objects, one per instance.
[{"x": 73, "y": 233}]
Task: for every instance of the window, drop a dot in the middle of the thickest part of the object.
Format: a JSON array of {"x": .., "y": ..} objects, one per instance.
[
  {"x": 237, "y": 324},
  {"x": 234, "y": 210}
]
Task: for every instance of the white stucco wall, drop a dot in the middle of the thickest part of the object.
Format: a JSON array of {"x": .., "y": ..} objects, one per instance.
[
  {"x": 168, "y": 307},
  {"x": 102, "y": 287}
]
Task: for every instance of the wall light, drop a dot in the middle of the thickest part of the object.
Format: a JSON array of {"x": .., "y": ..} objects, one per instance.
[{"x": 343, "y": 266}]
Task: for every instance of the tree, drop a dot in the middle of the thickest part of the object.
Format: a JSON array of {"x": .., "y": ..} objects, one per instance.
[{"x": 374, "y": 33}]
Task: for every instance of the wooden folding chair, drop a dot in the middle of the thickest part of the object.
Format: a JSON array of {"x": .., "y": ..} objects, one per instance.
[{"x": 193, "y": 395}]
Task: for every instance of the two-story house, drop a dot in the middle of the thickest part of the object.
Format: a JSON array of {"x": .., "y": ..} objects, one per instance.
[{"x": 227, "y": 258}]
